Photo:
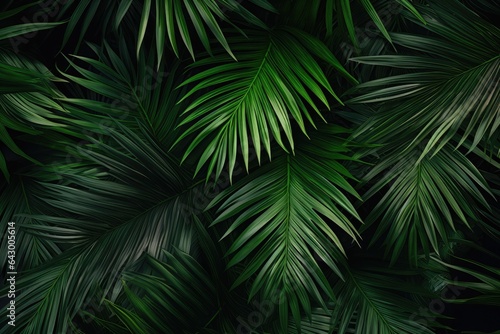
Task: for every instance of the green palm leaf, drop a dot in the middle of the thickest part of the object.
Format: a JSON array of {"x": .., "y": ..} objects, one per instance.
[
  {"x": 173, "y": 19},
  {"x": 284, "y": 211},
  {"x": 18, "y": 198},
  {"x": 321, "y": 322},
  {"x": 14, "y": 30},
  {"x": 113, "y": 235},
  {"x": 117, "y": 212},
  {"x": 418, "y": 101},
  {"x": 424, "y": 200},
  {"x": 374, "y": 299},
  {"x": 176, "y": 17},
  {"x": 181, "y": 293},
  {"x": 275, "y": 80},
  {"x": 486, "y": 279},
  {"x": 180, "y": 290},
  {"x": 344, "y": 16},
  {"x": 112, "y": 89},
  {"x": 29, "y": 105}
]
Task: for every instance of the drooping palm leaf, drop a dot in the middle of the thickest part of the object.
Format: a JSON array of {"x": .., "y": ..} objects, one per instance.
[
  {"x": 276, "y": 80},
  {"x": 330, "y": 15},
  {"x": 107, "y": 194},
  {"x": 284, "y": 211},
  {"x": 376, "y": 299},
  {"x": 418, "y": 103},
  {"x": 486, "y": 280},
  {"x": 123, "y": 214},
  {"x": 16, "y": 198},
  {"x": 181, "y": 292},
  {"x": 29, "y": 104},
  {"x": 12, "y": 31},
  {"x": 424, "y": 200},
  {"x": 172, "y": 19},
  {"x": 321, "y": 322},
  {"x": 176, "y": 17},
  {"x": 148, "y": 94}
]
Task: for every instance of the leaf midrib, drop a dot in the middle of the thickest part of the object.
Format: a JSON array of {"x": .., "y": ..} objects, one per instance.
[{"x": 237, "y": 107}]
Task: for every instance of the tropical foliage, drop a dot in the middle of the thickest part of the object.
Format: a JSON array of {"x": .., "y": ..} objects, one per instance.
[{"x": 261, "y": 166}]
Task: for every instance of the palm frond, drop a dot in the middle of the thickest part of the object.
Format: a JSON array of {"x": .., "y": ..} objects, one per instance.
[
  {"x": 180, "y": 293},
  {"x": 113, "y": 89},
  {"x": 28, "y": 104},
  {"x": 180, "y": 290},
  {"x": 424, "y": 200},
  {"x": 15, "y": 30},
  {"x": 16, "y": 198},
  {"x": 346, "y": 17},
  {"x": 374, "y": 298},
  {"x": 173, "y": 19},
  {"x": 291, "y": 204},
  {"x": 321, "y": 322},
  {"x": 275, "y": 80},
  {"x": 123, "y": 213},
  {"x": 418, "y": 101},
  {"x": 115, "y": 115},
  {"x": 487, "y": 280}
]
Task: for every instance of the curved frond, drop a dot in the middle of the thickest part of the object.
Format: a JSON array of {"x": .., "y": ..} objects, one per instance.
[
  {"x": 485, "y": 280},
  {"x": 134, "y": 209},
  {"x": 180, "y": 290},
  {"x": 28, "y": 104},
  {"x": 177, "y": 18},
  {"x": 374, "y": 299},
  {"x": 171, "y": 20},
  {"x": 345, "y": 17},
  {"x": 321, "y": 322},
  {"x": 126, "y": 91},
  {"x": 424, "y": 200},
  {"x": 17, "y": 198},
  {"x": 285, "y": 212},
  {"x": 180, "y": 293},
  {"x": 275, "y": 80},
  {"x": 11, "y": 32},
  {"x": 417, "y": 105}
]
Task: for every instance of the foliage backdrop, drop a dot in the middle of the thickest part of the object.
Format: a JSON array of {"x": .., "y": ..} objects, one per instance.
[{"x": 260, "y": 166}]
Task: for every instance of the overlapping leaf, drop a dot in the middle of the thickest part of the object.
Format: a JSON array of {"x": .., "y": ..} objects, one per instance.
[
  {"x": 374, "y": 299},
  {"x": 178, "y": 294},
  {"x": 148, "y": 94},
  {"x": 344, "y": 14},
  {"x": 141, "y": 206},
  {"x": 354, "y": 19},
  {"x": 485, "y": 279},
  {"x": 28, "y": 104},
  {"x": 10, "y": 32},
  {"x": 105, "y": 201},
  {"x": 450, "y": 84},
  {"x": 424, "y": 200},
  {"x": 16, "y": 199},
  {"x": 181, "y": 288},
  {"x": 177, "y": 17},
  {"x": 173, "y": 20}
]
